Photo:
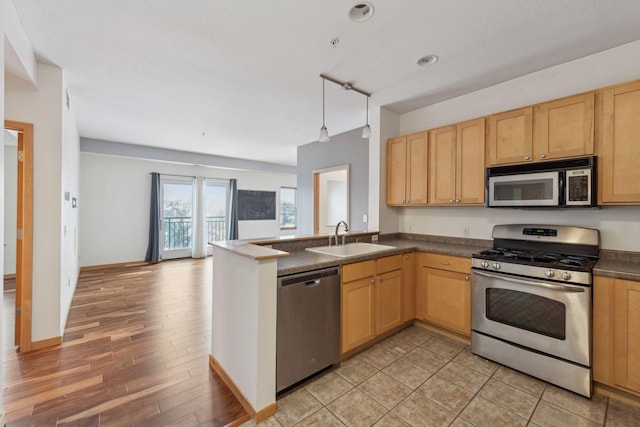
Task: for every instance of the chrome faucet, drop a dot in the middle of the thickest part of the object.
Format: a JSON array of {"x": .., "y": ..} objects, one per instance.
[{"x": 346, "y": 229}]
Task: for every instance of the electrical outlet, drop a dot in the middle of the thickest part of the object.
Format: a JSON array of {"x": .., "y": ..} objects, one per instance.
[
  {"x": 466, "y": 231},
  {"x": 374, "y": 238},
  {"x": 365, "y": 218}
]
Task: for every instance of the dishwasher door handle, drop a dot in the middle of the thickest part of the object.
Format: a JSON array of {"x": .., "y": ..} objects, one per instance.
[{"x": 312, "y": 282}]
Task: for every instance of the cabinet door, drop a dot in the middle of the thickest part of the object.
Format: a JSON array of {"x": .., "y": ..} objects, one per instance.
[
  {"x": 470, "y": 169},
  {"x": 511, "y": 137},
  {"x": 388, "y": 301},
  {"x": 416, "y": 185},
  {"x": 408, "y": 267},
  {"x": 357, "y": 313},
  {"x": 396, "y": 170},
  {"x": 627, "y": 334},
  {"x": 620, "y": 147},
  {"x": 442, "y": 165},
  {"x": 603, "y": 329},
  {"x": 564, "y": 128},
  {"x": 445, "y": 299}
]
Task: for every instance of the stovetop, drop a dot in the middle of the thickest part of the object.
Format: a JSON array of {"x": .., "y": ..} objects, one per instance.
[
  {"x": 539, "y": 258},
  {"x": 547, "y": 252}
]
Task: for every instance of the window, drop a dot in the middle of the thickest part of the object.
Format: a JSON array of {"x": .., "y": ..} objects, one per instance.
[{"x": 288, "y": 207}]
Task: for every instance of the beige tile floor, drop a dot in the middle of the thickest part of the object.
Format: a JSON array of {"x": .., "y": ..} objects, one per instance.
[{"x": 419, "y": 378}]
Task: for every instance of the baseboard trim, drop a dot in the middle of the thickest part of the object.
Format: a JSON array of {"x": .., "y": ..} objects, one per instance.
[
  {"x": 442, "y": 331},
  {"x": 117, "y": 264},
  {"x": 49, "y": 342},
  {"x": 628, "y": 397},
  {"x": 257, "y": 416}
]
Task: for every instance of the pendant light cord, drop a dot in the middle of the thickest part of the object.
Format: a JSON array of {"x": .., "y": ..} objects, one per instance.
[{"x": 322, "y": 102}]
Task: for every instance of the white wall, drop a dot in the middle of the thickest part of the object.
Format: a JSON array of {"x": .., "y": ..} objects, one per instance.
[
  {"x": 70, "y": 159},
  {"x": 10, "y": 206},
  {"x": 114, "y": 204},
  {"x": 55, "y": 267},
  {"x": 609, "y": 67}
]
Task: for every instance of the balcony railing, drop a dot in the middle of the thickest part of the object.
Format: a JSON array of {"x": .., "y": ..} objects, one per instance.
[{"x": 178, "y": 231}]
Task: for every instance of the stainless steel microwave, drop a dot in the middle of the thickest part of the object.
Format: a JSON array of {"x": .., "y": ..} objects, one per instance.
[{"x": 559, "y": 183}]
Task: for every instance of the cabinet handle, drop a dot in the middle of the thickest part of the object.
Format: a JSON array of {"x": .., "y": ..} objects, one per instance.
[
  {"x": 444, "y": 262},
  {"x": 450, "y": 200},
  {"x": 543, "y": 156},
  {"x": 406, "y": 257},
  {"x": 373, "y": 282},
  {"x": 466, "y": 278},
  {"x": 380, "y": 279},
  {"x": 527, "y": 157},
  {"x": 457, "y": 200}
]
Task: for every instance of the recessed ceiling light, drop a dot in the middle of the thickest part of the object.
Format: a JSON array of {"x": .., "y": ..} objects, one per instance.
[
  {"x": 427, "y": 60},
  {"x": 361, "y": 11}
]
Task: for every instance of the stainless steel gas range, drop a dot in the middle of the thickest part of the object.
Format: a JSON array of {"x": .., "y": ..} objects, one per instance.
[{"x": 531, "y": 302}]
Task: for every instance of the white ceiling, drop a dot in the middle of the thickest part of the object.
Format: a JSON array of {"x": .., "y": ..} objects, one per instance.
[{"x": 240, "y": 78}]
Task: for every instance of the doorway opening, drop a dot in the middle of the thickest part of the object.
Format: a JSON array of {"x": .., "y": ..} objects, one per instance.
[
  {"x": 330, "y": 198},
  {"x": 20, "y": 248}
]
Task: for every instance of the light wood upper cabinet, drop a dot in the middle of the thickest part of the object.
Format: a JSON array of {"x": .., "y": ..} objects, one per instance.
[
  {"x": 442, "y": 165},
  {"x": 443, "y": 292},
  {"x": 407, "y": 170},
  {"x": 470, "y": 164},
  {"x": 619, "y": 146},
  {"x": 564, "y": 127},
  {"x": 511, "y": 137},
  {"x": 456, "y": 164},
  {"x": 616, "y": 328}
]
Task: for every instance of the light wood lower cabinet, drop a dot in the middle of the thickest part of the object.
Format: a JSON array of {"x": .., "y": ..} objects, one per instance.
[
  {"x": 372, "y": 299},
  {"x": 616, "y": 333},
  {"x": 443, "y": 292}
]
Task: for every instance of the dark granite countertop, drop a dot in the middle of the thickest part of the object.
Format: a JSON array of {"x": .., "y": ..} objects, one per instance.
[
  {"x": 303, "y": 260},
  {"x": 618, "y": 264},
  {"x": 623, "y": 265}
]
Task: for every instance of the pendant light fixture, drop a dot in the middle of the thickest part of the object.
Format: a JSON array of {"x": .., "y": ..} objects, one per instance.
[
  {"x": 366, "y": 130},
  {"x": 324, "y": 133}
]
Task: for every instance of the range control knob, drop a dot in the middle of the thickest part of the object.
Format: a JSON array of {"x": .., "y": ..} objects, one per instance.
[
  {"x": 496, "y": 266},
  {"x": 549, "y": 273},
  {"x": 484, "y": 264},
  {"x": 565, "y": 275}
]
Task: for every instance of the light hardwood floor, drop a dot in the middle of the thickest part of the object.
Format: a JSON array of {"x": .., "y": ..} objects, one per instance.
[{"x": 135, "y": 352}]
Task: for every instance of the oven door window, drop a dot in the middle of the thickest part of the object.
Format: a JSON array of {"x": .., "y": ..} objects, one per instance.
[{"x": 527, "y": 311}]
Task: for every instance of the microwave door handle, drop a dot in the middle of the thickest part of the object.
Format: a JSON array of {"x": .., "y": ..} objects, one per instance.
[
  {"x": 562, "y": 196},
  {"x": 528, "y": 282}
]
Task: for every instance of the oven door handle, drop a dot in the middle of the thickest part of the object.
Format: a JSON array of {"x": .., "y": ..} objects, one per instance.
[{"x": 565, "y": 288}]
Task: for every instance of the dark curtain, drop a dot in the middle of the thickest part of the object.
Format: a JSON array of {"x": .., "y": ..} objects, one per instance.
[
  {"x": 233, "y": 210},
  {"x": 153, "y": 250}
]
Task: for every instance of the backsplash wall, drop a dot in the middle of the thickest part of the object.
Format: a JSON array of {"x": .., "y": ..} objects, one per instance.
[{"x": 619, "y": 225}]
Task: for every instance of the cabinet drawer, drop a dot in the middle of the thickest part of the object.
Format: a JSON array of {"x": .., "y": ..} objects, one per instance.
[
  {"x": 389, "y": 263},
  {"x": 358, "y": 270},
  {"x": 445, "y": 262}
]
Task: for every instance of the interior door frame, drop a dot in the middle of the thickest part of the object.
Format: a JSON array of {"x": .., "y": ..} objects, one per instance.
[
  {"x": 24, "y": 245},
  {"x": 317, "y": 201}
]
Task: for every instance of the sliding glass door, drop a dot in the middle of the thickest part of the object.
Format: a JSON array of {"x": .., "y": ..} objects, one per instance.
[
  {"x": 216, "y": 210},
  {"x": 177, "y": 217},
  {"x": 178, "y": 204}
]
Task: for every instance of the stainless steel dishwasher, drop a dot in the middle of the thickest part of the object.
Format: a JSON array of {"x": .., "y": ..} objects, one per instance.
[{"x": 308, "y": 326}]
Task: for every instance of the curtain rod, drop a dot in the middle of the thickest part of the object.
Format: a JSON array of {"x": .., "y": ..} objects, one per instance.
[{"x": 171, "y": 174}]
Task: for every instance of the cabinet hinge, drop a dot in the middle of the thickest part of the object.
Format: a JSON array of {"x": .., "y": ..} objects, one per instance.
[
  {"x": 21, "y": 156},
  {"x": 19, "y": 233}
]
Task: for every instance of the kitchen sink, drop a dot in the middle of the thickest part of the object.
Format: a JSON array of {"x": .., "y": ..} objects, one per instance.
[{"x": 350, "y": 249}]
